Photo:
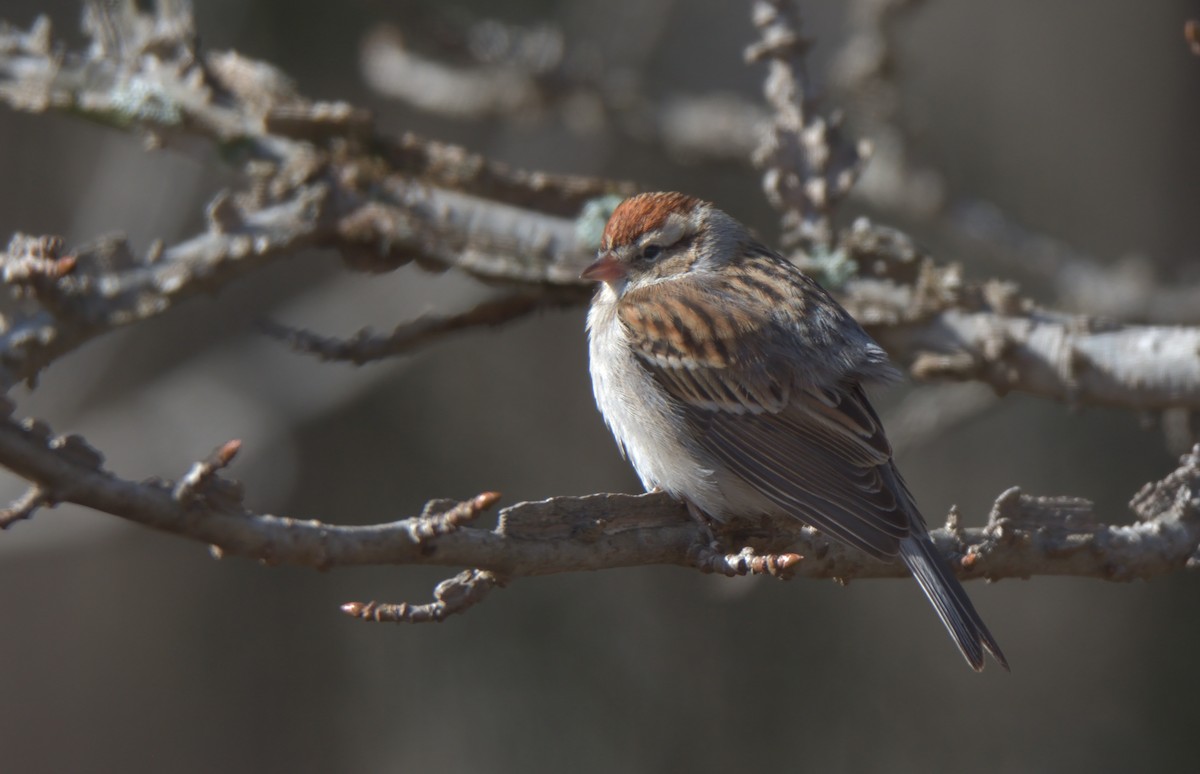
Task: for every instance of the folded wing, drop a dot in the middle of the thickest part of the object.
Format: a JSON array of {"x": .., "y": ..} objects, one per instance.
[{"x": 817, "y": 451}]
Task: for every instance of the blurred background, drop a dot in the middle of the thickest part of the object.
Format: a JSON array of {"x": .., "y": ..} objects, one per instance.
[{"x": 127, "y": 650}]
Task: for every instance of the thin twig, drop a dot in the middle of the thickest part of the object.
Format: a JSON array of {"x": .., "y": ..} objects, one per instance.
[
  {"x": 203, "y": 480},
  {"x": 24, "y": 507},
  {"x": 366, "y": 347},
  {"x": 451, "y": 596}
]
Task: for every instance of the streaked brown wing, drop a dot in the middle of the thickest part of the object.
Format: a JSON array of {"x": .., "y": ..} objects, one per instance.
[
  {"x": 722, "y": 353},
  {"x": 817, "y": 452}
]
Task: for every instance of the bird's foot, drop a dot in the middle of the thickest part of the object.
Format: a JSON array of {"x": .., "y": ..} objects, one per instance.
[
  {"x": 744, "y": 562},
  {"x": 709, "y": 537}
]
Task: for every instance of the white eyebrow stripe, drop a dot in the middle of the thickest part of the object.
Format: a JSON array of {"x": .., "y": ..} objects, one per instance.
[{"x": 673, "y": 229}]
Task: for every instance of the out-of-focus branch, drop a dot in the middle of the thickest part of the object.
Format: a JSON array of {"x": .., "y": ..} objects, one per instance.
[
  {"x": 864, "y": 74},
  {"x": 155, "y": 81},
  {"x": 867, "y": 74},
  {"x": 1126, "y": 290},
  {"x": 809, "y": 165},
  {"x": 1024, "y": 536},
  {"x": 533, "y": 69},
  {"x": 319, "y": 177},
  {"x": 66, "y": 298},
  {"x": 487, "y": 89},
  {"x": 365, "y": 346},
  {"x": 529, "y": 75}
]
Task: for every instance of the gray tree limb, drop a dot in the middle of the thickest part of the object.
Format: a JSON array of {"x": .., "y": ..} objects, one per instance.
[{"x": 1024, "y": 536}]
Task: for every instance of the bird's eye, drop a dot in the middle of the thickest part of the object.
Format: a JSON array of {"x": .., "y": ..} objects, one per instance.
[{"x": 650, "y": 252}]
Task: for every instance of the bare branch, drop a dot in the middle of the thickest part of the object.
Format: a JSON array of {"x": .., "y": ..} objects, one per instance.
[
  {"x": 23, "y": 507},
  {"x": 203, "y": 483},
  {"x": 866, "y": 72},
  {"x": 392, "y": 69},
  {"x": 944, "y": 328},
  {"x": 254, "y": 111},
  {"x": 809, "y": 165},
  {"x": 429, "y": 202},
  {"x": 1025, "y": 536},
  {"x": 453, "y": 595},
  {"x": 1126, "y": 290},
  {"x": 529, "y": 75},
  {"x": 100, "y": 287},
  {"x": 709, "y": 127},
  {"x": 441, "y": 517},
  {"x": 1073, "y": 360},
  {"x": 365, "y": 347},
  {"x": 106, "y": 287}
]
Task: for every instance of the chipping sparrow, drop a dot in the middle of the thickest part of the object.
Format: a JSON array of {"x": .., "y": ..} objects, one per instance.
[{"x": 733, "y": 382}]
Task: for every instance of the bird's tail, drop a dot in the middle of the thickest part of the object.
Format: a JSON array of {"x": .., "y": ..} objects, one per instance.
[{"x": 950, "y": 600}]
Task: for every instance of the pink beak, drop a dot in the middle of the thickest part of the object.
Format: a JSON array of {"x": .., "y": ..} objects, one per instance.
[{"x": 606, "y": 268}]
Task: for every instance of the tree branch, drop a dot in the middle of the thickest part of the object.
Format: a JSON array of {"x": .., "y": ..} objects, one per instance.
[
  {"x": 926, "y": 316},
  {"x": 867, "y": 72},
  {"x": 809, "y": 165},
  {"x": 365, "y": 346},
  {"x": 1024, "y": 536},
  {"x": 316, "y": 181}
]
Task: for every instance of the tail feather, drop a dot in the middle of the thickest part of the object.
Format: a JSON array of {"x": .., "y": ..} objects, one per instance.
[{"x": 950, "y": 600}]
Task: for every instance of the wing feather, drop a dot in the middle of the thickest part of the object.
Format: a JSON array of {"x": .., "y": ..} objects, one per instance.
[
  {"x": 822, "y": 479},
  {"x": 806, "y": 439}
]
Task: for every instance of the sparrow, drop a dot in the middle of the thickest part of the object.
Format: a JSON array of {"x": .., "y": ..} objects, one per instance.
[{"x": 734, "y": 382}]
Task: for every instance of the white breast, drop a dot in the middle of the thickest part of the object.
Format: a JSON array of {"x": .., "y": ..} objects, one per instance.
[{"x": 642, "y": 416}]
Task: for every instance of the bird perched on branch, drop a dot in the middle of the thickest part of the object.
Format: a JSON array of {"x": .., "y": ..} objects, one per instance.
[{"x": 733, "y": 382}]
